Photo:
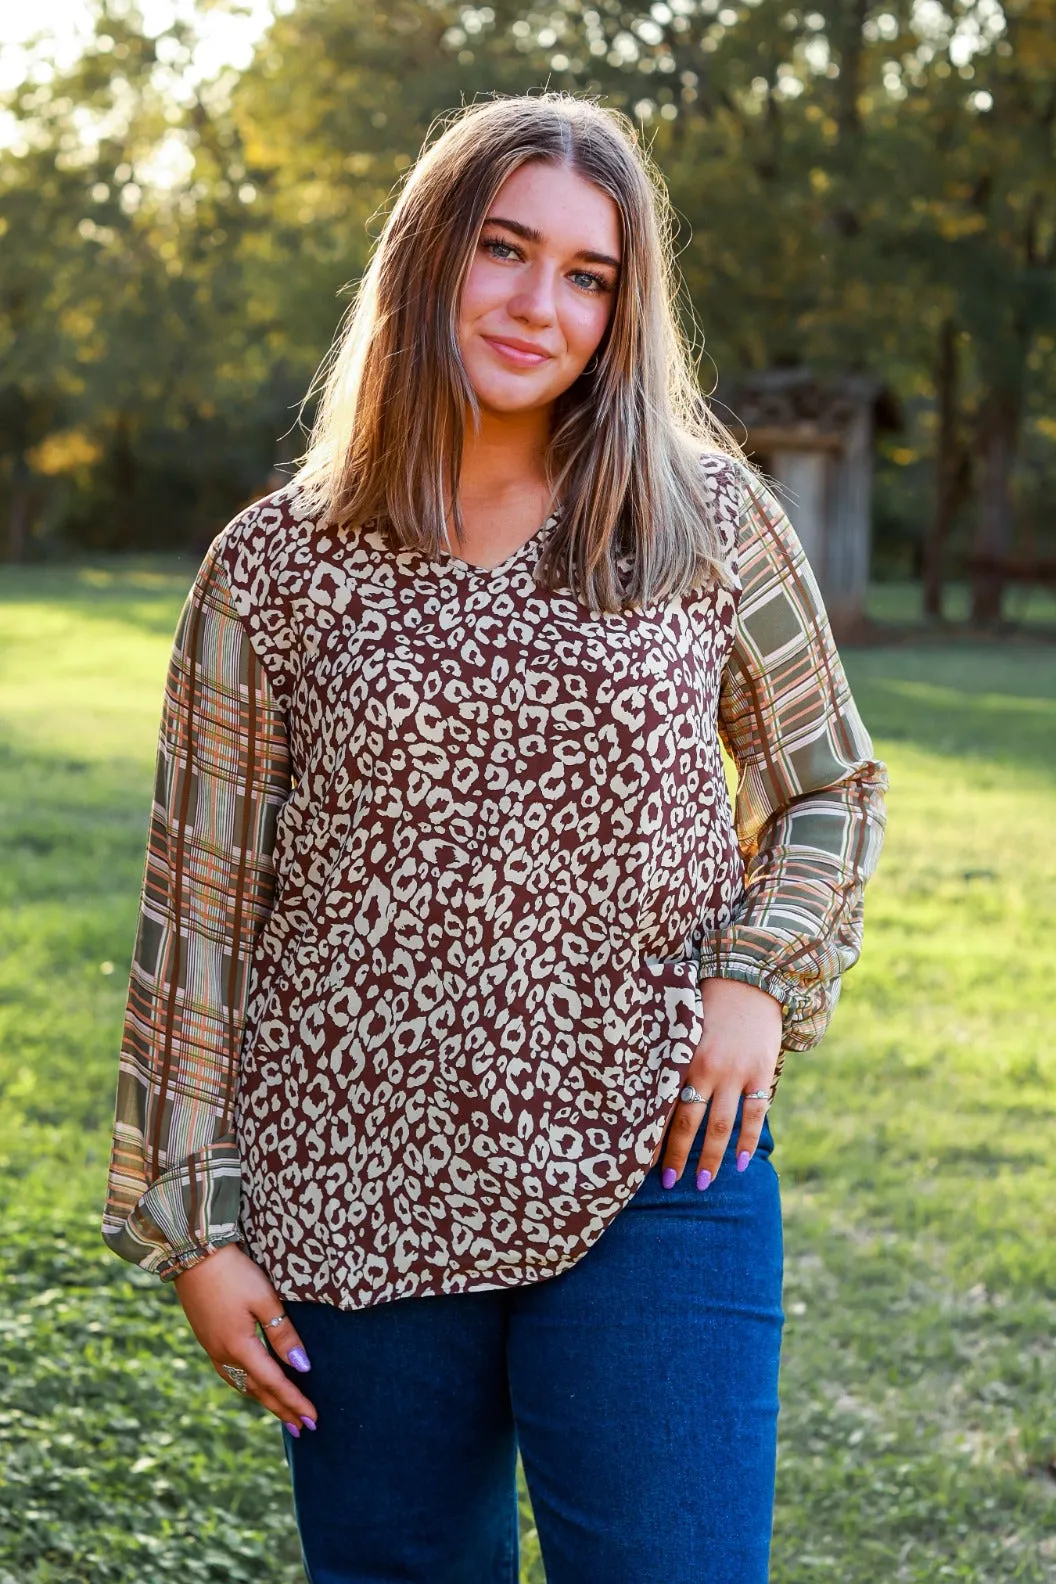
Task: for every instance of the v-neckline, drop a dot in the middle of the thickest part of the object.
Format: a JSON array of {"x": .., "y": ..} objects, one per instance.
[{"x": 448, "y": 557}]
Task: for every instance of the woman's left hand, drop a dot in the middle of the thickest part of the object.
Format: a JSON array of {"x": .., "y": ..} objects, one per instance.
[{"x": 738, "y": 1053}]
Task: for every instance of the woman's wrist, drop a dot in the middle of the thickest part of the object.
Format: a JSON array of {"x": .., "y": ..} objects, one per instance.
[
  {"x": 740, "y": 993},
  {"x": 790, "y": 997}
]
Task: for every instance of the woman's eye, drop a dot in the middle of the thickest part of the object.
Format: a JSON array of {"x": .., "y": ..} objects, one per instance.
[{"x": 598, "y": 282}]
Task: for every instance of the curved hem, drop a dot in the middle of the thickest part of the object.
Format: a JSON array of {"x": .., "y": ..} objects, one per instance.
[{"x": 447, "y": 1285}]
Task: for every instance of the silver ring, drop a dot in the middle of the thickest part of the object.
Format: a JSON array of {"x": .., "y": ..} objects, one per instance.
[
  {"x": 689, "y": 1096},
  {"x": 237, "y": 1377},
  {"x": 758, "y": 1094},
  {"x": 267, "y": 1324}
]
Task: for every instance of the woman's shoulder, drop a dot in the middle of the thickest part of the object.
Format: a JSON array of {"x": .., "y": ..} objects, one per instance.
[
  {"x": 278, "y": 531},
  {"x": 725, "y": 476},
  {"x": 269, "y": 552}
]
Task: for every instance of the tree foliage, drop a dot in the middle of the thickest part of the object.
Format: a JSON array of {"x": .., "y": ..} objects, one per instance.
[{"x": 857, "y": 186}]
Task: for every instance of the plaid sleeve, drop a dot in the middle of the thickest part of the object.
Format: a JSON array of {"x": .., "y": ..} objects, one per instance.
[
  {"x": 223, "y": 773},
  {"x": 810, "y": 807}
]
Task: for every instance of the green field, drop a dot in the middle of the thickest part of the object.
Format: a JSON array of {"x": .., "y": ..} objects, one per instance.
[{"x": 915, "y": 1146}]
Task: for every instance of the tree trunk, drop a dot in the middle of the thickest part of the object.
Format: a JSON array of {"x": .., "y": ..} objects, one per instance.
[
  {"x": 998, "y": 436},
  {"x": 18, "y": 515},
  {"x": 938, "y": 528},
  {"x": 852, "y": 64},
  {"x": 123, "y": 472}
]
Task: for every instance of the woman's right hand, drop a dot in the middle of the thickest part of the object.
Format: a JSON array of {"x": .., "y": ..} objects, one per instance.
[{"x": 223, "y": 1297}]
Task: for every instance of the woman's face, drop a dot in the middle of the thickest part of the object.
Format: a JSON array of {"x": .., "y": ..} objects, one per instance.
[{"x": 543, "y": 276}]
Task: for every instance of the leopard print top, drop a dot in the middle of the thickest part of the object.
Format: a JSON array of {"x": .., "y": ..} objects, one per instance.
[{"x": 475, "y": 996}]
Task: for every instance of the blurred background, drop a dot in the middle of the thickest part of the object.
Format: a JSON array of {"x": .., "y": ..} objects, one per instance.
[{"x": 866, "y": 203}]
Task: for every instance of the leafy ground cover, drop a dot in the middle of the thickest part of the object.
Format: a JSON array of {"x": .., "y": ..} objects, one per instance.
[{"x": 915, "y": 1147}]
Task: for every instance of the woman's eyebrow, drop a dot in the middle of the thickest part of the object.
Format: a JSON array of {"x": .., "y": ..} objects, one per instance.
[{"x": 530, "y": 234}]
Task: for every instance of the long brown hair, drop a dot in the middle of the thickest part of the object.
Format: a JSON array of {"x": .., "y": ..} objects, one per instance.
[{"x": 634, "y": 523}]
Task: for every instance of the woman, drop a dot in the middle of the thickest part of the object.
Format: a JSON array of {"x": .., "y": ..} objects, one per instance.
[{"x": 458, "y": 997}]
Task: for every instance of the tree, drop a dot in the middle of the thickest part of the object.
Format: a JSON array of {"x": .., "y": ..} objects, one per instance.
[{"x": 857, "y": 185}]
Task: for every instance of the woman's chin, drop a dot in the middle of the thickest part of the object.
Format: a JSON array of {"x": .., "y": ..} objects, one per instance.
[{"x": 508, "y": 398}]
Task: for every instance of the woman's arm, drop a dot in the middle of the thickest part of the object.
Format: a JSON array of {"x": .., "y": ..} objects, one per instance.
[
  {"x": 810, "y": 805},
  {"x": 223, "y": 773},
  {"x": 809, "y": 817}
]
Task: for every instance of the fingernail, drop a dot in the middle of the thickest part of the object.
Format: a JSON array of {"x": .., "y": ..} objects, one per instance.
[
  {"x": 299, "y": 1359},
  {"x": 669, "y": 1176},
  {"x": 310, "y": 1423},
  {"x": 291, "y": 1427},
  {"x": 703, "y": 1177},
  {"x": 742, "y": 1160}
]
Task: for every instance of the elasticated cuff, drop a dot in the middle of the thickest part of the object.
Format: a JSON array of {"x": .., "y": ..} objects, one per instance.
[
  {"x": 794, "y": 999},
  {"x": 186, "y": 1259}
]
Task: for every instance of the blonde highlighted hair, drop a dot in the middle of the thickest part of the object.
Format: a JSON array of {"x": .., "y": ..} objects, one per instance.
[{"x": 634, "y": 520}]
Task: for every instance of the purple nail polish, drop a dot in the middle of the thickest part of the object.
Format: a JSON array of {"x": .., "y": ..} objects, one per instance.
[
  {"x": 299, "y": 1359},
  {"x": 742, "y": 1160},
  {"x": 703, "y": 1177},
  {"x": 291, "y": 1427},
  {"x": 669, "y": 1176},
  {"x": 308, "y": 1423}
]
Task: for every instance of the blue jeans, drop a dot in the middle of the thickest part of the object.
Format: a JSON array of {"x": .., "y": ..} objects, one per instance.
[{"x": 641, "y": 1386}]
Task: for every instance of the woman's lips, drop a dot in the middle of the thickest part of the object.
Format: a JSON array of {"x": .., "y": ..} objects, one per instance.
[{"x": 515, "y": 355}]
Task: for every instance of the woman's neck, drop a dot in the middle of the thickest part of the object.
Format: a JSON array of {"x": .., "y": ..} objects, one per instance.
[
  {"x": 503, "y": 493},
  {"x": 506, "y": 459}
]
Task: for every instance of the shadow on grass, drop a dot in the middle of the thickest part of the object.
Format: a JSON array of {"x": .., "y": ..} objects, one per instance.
[
  {"x": 144, "y": 593},
  {"x": 983, "y": 702}
]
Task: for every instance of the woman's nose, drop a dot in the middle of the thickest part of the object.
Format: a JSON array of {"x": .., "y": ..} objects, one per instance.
[{"x": 535, "y": 297}]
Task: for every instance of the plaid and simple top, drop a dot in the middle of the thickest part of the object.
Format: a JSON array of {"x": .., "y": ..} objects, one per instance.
[{"x": 282, "y": 818}]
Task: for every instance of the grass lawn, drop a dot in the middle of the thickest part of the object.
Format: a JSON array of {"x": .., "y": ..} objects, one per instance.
[
  {"x": 901, "y": 604},
  {"x": 915, "y": 1147}
]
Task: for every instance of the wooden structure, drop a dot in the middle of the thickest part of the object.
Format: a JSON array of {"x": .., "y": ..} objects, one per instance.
[{"x": 815, "y": 439}]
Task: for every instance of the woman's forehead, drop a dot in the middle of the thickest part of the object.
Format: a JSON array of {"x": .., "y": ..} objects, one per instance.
[{"x": 556, "y": 205}]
